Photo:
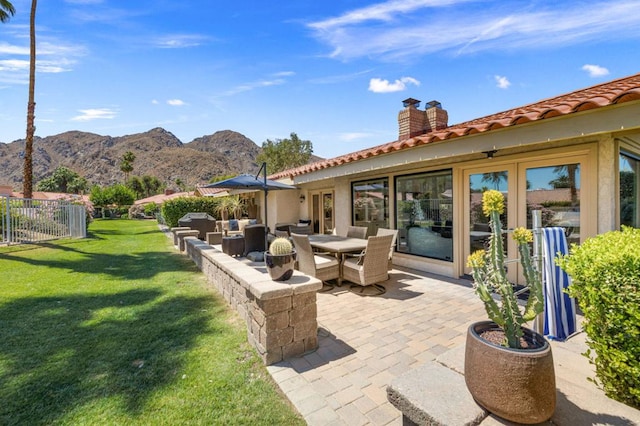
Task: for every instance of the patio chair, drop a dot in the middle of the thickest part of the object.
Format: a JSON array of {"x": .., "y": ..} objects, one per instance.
[
  {"x": 254, "y": 238},
  {"x": 370, "y": 267},
  {"x": 320, "y": 266},
  {"x": 357, "y": 232},
  {"x": 394, "y": 233}
]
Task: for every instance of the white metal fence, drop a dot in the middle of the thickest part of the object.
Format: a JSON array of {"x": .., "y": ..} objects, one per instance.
[{"x": 26, "y": 220}]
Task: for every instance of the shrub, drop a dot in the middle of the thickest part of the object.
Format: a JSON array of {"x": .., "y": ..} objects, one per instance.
[
  {"x": 151, "y": 209},
  {"x": 173, "y": 210},
  {"x": 606, "y": 280}
]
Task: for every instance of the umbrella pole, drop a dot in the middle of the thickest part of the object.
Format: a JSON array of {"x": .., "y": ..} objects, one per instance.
[{"x": 263, "y": 169}]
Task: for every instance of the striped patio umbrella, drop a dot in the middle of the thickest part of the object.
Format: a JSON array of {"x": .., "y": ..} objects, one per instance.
[{"x": 559, "y": 308}]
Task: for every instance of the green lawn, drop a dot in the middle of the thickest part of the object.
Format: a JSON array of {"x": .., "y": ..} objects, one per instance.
[{"x": 118, "y": 329}]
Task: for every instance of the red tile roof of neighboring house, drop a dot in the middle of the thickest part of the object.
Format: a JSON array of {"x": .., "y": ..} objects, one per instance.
[
  {"x": 161, "y": 198},
  {"x": 40, "y": 195},
  {"x": 613, "y": 92},
  {"x": 208, "y": 192}
]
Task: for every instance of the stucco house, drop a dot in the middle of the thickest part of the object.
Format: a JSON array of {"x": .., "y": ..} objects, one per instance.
[{"x": 575, "y": 156}]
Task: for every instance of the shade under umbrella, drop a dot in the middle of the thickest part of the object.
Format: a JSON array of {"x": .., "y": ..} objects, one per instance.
[
  {"x": 559, "y": 308},
  {"x": 246, "y": 181}
]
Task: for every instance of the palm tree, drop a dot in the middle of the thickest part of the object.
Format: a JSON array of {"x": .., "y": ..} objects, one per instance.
[
  {"x": 6, "y": 10},
  {"x": 567, "y": 174},
  {"x": 31, "y": 107},
  {"x": 495, "y": 178},
  {"x": 126, "y": 165}
]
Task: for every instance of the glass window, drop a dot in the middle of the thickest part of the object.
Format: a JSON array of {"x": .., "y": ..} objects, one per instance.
[
  {"x": 629, "y": 190},
  {"x": 371, "y": 204},
  {"x": 424, "y": 214},
  {"x": 555, "y": 190}
]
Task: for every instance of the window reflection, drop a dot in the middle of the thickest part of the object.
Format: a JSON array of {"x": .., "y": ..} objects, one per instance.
[
  {"x": 424, "y": 214},
  {"x": 629, "y": 190},
  {"x": 370, "y": 204},
  {"x": 555, "y": 190},
  {"x": 479, "y": 229}
]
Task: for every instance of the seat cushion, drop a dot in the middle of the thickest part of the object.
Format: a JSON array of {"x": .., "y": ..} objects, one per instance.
[{"x": 325, "y": 261}]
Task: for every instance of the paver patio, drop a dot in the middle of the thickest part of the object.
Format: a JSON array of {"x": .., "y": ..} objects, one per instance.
[{"x": 366, "y": 342}]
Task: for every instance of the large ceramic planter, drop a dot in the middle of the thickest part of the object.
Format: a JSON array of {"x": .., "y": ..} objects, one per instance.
[
  {"x": 280, "y": 266},
  {"x": 516, "y": 384}
]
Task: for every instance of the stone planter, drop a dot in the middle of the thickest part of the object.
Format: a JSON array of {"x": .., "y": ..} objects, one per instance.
[
  {"x": 516, "y": 384},
  {"x": 280, "y": 266}
]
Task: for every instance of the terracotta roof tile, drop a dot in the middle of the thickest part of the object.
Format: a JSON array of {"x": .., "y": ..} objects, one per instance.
[{"x": 614, "y": 92}]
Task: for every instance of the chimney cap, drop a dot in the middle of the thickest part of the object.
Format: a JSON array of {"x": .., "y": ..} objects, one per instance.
[
  {"x": 411, "y": 102},
  {"x": 433, "y": 104}
]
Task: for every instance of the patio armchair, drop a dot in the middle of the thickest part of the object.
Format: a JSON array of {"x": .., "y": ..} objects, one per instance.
[
  {"x": 254, "y": 238},
  {"x": 394, "y": 233},
  {"x": 370, "y": 267},
  {"x": 320, "y": 266},
  {"x": 357, "y": 232}
]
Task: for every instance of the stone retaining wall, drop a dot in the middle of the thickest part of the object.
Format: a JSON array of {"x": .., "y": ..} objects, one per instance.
[{"x": 281, "y": 317}]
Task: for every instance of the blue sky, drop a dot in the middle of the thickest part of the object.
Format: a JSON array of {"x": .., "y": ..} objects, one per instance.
[{"x": 334, "y": 72}]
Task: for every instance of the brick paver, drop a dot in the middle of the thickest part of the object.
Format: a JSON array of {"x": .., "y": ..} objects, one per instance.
[{"x": 365, "y": 342}]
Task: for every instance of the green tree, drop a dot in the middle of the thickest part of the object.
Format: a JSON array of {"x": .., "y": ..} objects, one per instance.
[
  {"x": 136, "y": 185},
  {"x": 64, "y": 180},
  {"x": 126, "y": 164},
  {"x": 151, "y": 185},
  {"x": 180, "y": 184},
  {"x": 120, "y": 195},
  {"x": 6, "y": 10},
  {"x": 283, "y": 154},
  {"x": 27, "y": 182}
]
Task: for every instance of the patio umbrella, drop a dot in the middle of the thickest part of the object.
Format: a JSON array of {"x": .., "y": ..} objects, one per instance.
[
  {"x": 559, "y": 308},
  {"x": 250, "y": 182}
]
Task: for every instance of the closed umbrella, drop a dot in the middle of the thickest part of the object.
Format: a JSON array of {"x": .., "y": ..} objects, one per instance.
[
  {"x": 250, "y": 182},
  {"x": 559, "y": 308}
]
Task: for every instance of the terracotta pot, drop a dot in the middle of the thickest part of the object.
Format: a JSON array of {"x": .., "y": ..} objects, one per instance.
[
  {"x": 280, "y": 266},
  {"x": 516, "y": 384}
]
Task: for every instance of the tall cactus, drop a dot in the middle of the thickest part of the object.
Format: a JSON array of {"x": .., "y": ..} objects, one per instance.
[
  {"x": 281, "y": 246},
  {"x": 489, "y": 275}
]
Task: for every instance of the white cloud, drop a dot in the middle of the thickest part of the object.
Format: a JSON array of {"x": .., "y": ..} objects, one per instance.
[
  {"x": 395, "y": 30},
  {"x": 352, "y": 136},
  {"x": 254, "y": 85},
  {"x": 176, "y": 102},
  {"x": 10, "y": 49},
  {"x": 378, "y": 85},
  {"x": 502, "y": 82},
  {"x": 595, "y": 70},
  {"x": 154, "y": 101},
  {"x": 14, "y": 65},
  {"x": 95, "y": 114},
  {"x": 179, "y": 41}
]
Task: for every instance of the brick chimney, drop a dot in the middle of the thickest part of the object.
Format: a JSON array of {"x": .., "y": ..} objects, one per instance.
[{"x": 414, "y": 122}]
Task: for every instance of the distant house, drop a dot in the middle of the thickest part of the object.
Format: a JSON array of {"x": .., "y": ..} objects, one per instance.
[
  {"x": 576, "y": 157},
  {"x": 161, "y": 198}
]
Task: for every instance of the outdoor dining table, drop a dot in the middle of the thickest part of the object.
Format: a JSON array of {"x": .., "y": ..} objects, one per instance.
[{"x": 337, "y": 244}]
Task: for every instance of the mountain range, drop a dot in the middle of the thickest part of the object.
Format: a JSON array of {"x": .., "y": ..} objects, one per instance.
[{"x": 157, "y": 152}]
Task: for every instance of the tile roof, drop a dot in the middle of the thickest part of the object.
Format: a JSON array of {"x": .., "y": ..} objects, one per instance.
[
  {"x": 161, "y": 198},
  {"x": 614, "y": 92}
]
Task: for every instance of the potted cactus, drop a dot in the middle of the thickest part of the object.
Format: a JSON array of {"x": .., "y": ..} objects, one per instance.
[
  {"x": 280, "y": 259},
  {"x": 508, "y": 367}
]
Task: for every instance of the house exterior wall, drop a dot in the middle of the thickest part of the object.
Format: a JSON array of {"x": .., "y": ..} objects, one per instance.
[{"x": 590, "y": 138}]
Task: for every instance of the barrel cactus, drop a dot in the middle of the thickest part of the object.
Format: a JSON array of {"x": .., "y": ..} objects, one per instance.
[
  {"x": 489, "y": 275},
  {"x": 281, "y": 246}
]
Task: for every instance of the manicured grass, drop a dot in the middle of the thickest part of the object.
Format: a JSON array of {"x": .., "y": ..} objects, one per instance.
[{"x": 119, "y": 328}]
